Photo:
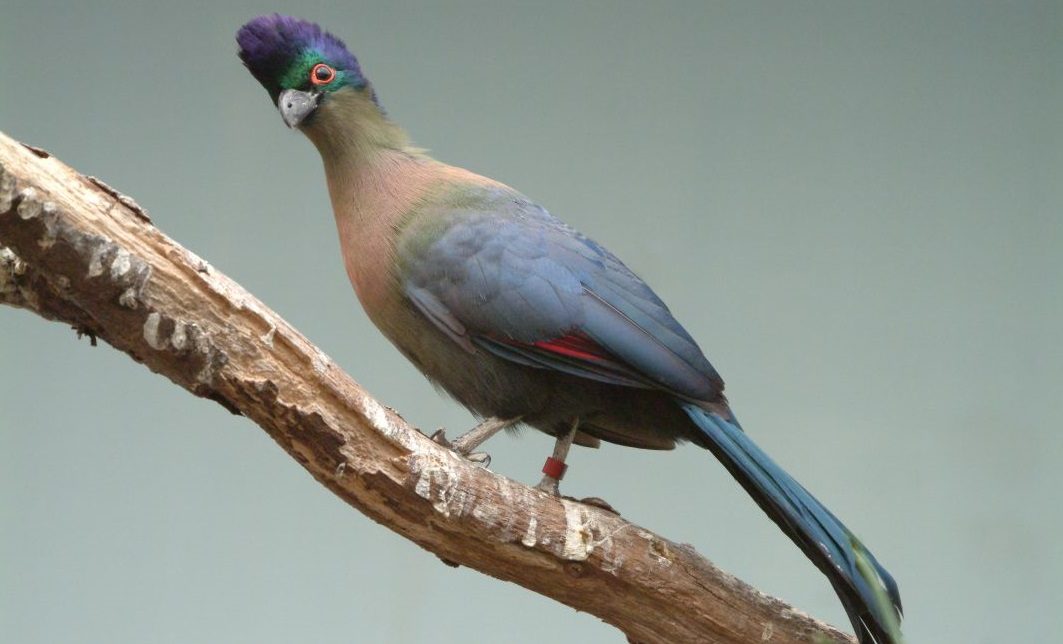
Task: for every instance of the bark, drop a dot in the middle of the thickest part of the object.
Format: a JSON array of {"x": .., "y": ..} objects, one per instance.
[{"x": 74, "y": 250}]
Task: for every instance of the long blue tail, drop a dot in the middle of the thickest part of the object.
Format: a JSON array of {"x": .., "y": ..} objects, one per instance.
[{"x": 856, "y": 575}]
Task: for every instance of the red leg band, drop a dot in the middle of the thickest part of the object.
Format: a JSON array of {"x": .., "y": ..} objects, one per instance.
[{"x": 554, "y": 468}]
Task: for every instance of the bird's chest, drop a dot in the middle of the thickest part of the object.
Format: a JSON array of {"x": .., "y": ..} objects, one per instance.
[
  {"x": 370, "y": 268},
  {"x": 369, "y": 259}
]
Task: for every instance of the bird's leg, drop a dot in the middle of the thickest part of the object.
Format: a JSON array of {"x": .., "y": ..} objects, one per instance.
[
  {"x": 555, "y": 467},
  {"x": 475, "y": 437}
]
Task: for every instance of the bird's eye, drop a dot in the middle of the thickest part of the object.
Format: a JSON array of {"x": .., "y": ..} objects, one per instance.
[{"x": 322, "y": 74}]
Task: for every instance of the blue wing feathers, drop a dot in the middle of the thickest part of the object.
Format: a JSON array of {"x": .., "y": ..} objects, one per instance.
[
  {"x": 435, "y": 311},
  {"x": 643, "y": 350},
  {"x": 507, "y": 269}
]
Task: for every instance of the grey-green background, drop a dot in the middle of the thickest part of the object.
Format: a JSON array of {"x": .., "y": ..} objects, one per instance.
[{"x": 855, "y": 207}]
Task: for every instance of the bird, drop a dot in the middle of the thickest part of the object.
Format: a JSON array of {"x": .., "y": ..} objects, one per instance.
[{"x": 521, "y": 318}]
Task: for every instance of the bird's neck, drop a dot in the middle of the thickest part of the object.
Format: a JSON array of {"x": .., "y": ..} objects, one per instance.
[
  {"x": 375, "y": 178},
  {"x": 351, "y": 128}
]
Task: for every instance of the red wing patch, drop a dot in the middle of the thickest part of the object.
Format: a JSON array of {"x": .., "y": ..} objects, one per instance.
[
  {"x": 573, "y": 353},
  {"x": 575, "y": 345}
]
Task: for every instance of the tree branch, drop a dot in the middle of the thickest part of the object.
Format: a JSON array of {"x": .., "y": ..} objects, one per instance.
[{"x": 81, "y": 253}]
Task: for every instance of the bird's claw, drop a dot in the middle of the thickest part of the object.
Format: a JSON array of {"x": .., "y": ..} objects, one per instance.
[
  {"x": 439, "y": 437},
  {"x": 483, "y": 459},
  {"x": 598, "y": 503},
  {"x": 549, "y": 485}
]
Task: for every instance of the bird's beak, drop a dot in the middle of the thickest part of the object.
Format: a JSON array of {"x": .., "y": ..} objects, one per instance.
[{"x": 295, "y": 106}]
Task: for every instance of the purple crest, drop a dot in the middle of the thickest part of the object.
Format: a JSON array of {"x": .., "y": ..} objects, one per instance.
[{"x": 270, "y": 44}]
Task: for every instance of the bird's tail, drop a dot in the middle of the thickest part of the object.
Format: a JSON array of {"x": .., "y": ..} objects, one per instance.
[{"x": 866, "y": 589}]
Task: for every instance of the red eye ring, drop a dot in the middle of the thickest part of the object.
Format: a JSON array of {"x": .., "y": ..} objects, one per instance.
[{"x": 322, "y": 74}]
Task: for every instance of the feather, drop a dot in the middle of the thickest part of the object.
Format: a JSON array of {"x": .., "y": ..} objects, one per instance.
[{"x": 817, "y": 532}]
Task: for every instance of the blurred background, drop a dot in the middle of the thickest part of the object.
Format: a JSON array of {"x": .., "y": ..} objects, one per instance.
[{"x": 856, "y": 209}]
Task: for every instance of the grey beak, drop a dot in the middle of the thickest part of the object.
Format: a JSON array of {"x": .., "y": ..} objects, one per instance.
[{"x": 295, "y": 106}]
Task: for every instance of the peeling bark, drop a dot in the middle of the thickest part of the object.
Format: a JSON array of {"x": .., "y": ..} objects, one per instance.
[{"x": 73, "y": 249}]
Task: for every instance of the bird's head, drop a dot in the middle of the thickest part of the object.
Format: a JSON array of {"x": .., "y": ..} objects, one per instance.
[{"x": 302, "y": 66}]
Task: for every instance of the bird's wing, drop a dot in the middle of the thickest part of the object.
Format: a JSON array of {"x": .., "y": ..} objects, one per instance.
[{"x": 500, "y": 273}]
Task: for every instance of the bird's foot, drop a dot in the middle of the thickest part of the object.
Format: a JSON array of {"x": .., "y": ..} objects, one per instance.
[
  {"x": 553, "y": 472},
  {"x": 549, "y": 485},
  {"x": 439, "y": 437},
  {"x": 483, "y": 459},
  {"x": 596, "y": 502}
]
